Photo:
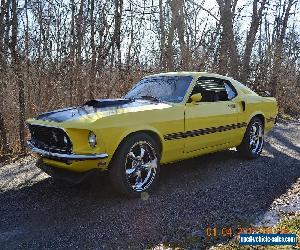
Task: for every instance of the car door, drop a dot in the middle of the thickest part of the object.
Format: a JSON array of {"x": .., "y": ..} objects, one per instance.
[{"x": 212, "y": 121}]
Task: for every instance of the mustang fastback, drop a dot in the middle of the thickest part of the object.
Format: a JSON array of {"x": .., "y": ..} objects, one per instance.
[{"x": 164, "y": 118}]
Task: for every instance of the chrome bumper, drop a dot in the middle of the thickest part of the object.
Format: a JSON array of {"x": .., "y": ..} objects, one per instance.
[{"x": 65, "y": 156}]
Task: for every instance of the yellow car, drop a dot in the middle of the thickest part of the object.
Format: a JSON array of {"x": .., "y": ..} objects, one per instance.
[{"x": 164, "y": 118}]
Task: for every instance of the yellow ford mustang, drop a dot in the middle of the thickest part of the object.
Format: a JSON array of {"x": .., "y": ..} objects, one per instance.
[{"x": 163, "y": 118}]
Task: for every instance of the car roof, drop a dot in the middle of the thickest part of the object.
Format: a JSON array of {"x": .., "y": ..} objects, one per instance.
[
  {"x": 241, "y": 87},
  {"x": 192, "y": 73}
]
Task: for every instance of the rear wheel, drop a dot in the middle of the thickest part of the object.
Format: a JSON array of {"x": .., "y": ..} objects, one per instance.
[
  {"x": 135, "y": 165},
  {"x": 253, "y": 140}
]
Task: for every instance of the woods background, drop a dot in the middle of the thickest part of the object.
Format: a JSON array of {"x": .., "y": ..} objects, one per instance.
[{"x": 56, "y": 53}]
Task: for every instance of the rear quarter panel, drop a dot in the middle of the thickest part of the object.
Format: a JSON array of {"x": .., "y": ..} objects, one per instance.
[{"x": 258, "y": 105}]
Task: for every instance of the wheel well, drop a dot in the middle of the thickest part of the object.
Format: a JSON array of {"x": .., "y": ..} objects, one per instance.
[
  {"x": 154, "y": 135},
  {"x": 261, "y": 117}
]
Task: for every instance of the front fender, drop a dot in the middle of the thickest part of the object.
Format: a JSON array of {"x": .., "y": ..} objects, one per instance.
[{"x": 146, "y": 128}]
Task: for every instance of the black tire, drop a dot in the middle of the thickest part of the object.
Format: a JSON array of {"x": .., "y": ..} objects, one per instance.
[
  {"x": 250, "y": 147},
  {"x": 128, "y": 168}
]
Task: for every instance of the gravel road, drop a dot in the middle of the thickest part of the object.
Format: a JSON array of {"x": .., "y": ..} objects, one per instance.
[{"x": 217, "y": 190}]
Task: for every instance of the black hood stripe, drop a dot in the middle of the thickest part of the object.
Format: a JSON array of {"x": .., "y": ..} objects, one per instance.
[{"x": 90, "y": 107}]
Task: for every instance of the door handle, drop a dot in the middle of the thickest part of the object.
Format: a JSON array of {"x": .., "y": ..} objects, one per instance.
[{"x": 231, "y": 105}]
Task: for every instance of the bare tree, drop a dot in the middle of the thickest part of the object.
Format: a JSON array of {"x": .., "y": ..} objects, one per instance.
[
  {"x": 281, "y": 31},
  {"x": 229, "y": 58},
  {"x": 256, "y": 20},
  {"x": 170, "y": 40},
  {"x": 4, "y": 30},
  {"x": 3, "y": 136},
  {"x": 93, "y": 50},
  {"x": 162, "y": 35},
  {"x": 117, "y": 31},
  {"x": 18, "y": 73}
]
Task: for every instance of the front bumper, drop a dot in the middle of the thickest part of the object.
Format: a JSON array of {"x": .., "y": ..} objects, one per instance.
[{"x": 65, "y": 156}]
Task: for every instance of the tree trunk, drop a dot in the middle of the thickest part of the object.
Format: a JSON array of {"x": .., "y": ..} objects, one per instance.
[
  {"x": 169, "y": 47},
  {"x": 17, "y": 70},
  {"x": 3, "y": 137},
  {"x": 79, "y": 35},
  {"x": 71, "y": 60},
  {"x": 129, "y": 54},
  {"x": 26, "y": 35},
  {"x": 229, "y": 58},
  {"x": 79, "y": 40},
  {"x": 117, "y": 37},
  {"x": 2, "y": 29},
  {"x": 178, "y": 10},
  {"x": 162, "y": 36},
  {"x": 255, "y": 23},
  {"x": 93, "y": 48},
  {"x": 278, "y": 48}
]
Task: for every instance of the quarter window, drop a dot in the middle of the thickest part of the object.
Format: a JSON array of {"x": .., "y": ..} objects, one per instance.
[{"x": 231, "y": 92}]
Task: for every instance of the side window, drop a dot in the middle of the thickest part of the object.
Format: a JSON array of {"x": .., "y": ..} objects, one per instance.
[
  {"x": 211, "y": 89},
  {"x": 231, "y": 92}
]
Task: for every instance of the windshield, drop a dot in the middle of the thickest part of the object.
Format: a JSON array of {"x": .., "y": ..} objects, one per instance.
[{"x": 164, "y": 88}]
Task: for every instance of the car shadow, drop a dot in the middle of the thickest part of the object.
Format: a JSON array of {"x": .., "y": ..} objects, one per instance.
[{"x": 219, "y": 190}]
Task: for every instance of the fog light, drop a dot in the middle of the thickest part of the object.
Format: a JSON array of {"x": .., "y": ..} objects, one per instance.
[{"x": 92, "y": 139}]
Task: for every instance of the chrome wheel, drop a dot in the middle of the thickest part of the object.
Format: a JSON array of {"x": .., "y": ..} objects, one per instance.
[
  {"x": 141, "y": 166},
  {"x": 256, "y": 137}
]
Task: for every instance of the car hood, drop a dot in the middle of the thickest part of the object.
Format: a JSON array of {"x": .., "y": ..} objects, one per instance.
[{"x": 95, "y": 109}]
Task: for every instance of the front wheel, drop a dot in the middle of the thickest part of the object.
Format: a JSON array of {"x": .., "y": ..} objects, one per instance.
[
  {"x": 135, "y": 165},
  {"x": 253, "y": 140}
]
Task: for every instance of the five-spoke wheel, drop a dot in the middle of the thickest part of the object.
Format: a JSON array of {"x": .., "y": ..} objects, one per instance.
[
  {"x": 141, "y": 165},
  {"x": 135, "y": 167},
  {"x": 253, "y": 140},
  {"x": 256, "y": 137}
]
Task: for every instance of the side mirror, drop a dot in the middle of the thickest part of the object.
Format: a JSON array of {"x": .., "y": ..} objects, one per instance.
[{"x": 196, "y": 98}]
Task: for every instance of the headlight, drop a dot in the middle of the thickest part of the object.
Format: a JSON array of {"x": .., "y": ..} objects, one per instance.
[{"x": 92, "y": 139}]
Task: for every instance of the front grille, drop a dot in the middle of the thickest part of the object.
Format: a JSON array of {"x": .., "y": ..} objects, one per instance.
[{"x": 50, "y": 138}]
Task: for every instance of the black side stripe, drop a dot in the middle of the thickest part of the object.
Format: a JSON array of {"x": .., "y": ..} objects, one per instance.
[{"x": 204, "y": 131}]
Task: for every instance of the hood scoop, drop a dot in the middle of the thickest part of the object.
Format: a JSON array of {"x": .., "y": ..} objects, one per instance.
[{"x": 103, "y": 103}]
